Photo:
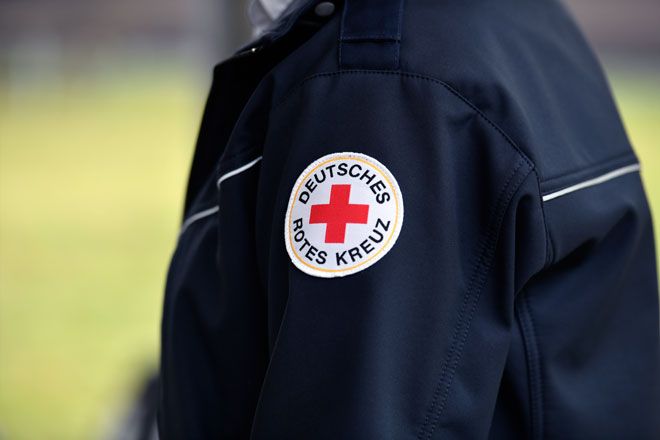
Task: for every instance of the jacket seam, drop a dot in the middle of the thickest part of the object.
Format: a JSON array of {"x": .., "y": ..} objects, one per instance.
[
  {"x": 549, "y": 243},
  {"x": 480, "y": 270},
  {"x": 534, "y": 367},
  {"x": 600, "y": 164},
  {"x": 453, "y": 91},
  {"x": 358, "y": 38},
  {"x": 457, "y": 94}
]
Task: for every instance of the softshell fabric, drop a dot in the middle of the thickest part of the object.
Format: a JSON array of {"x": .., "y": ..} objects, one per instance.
[{"x": 520, "y": 299}]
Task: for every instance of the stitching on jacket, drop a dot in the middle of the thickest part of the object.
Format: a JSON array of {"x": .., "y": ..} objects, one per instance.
[
  {"x": 453, "y": 91},
  {"x": 477, "y": 280},
  {"x": 449, "y": 88},
  {"x": 370, "y": 37},
  {"x": 600, "y": 164},
  {"x": 541, "y": 382},
  {"x": 534, "y": 367},
  {"x": 342, "y": 23},
  {"x": 549, "y": 244},
  {"x": 397, "y": 58}
]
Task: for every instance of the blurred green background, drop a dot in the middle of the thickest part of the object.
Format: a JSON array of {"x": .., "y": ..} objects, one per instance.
[{"x": 98, "y": 118}]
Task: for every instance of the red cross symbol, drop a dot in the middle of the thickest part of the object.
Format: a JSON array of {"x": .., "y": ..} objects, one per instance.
[{"x": 338, "y": 213}]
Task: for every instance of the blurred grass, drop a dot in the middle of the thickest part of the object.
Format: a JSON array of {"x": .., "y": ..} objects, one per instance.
[
  {"x": 92, "y": 175},
  {"x": 637, "y": 93}
]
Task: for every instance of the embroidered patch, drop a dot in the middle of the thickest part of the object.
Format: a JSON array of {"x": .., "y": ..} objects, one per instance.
[{"x": 345, "y": 213}]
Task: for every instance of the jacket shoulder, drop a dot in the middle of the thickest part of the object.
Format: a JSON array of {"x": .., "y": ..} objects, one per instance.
[
  {"x": 525, "y": 66},
  {"x": 529, "y": 69}
]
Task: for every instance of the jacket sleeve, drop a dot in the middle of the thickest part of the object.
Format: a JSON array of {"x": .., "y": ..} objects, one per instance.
[{"x": 413, "y": 346}]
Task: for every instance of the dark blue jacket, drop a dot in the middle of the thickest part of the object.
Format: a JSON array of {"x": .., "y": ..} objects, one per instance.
[{"x": 516, "y": 298}]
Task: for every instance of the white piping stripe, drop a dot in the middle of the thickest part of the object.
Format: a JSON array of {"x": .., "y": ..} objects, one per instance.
[
  {"x": 200, "y": 215},
  {"x": 595, "y": 181},
  {"x": 238, "y": 170},
  {"x": 207, "y": 212}
]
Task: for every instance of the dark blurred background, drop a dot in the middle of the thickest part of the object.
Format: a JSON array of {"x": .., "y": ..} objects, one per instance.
[{"x": 99, "y": 107}]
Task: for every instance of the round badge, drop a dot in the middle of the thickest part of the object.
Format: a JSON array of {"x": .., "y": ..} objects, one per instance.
[{"x": 345, "y": 213}]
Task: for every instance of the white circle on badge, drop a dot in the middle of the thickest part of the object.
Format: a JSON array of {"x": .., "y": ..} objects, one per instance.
[{"x": 344, "y": 214}]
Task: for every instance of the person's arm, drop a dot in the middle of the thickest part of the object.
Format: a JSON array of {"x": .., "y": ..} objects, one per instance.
[{"x": 416, "y": 342}]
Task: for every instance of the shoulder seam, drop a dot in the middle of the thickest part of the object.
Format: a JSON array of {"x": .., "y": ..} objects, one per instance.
[
  {"x": 454, "y": 92},
  {"x": 431, "y": 79}
]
